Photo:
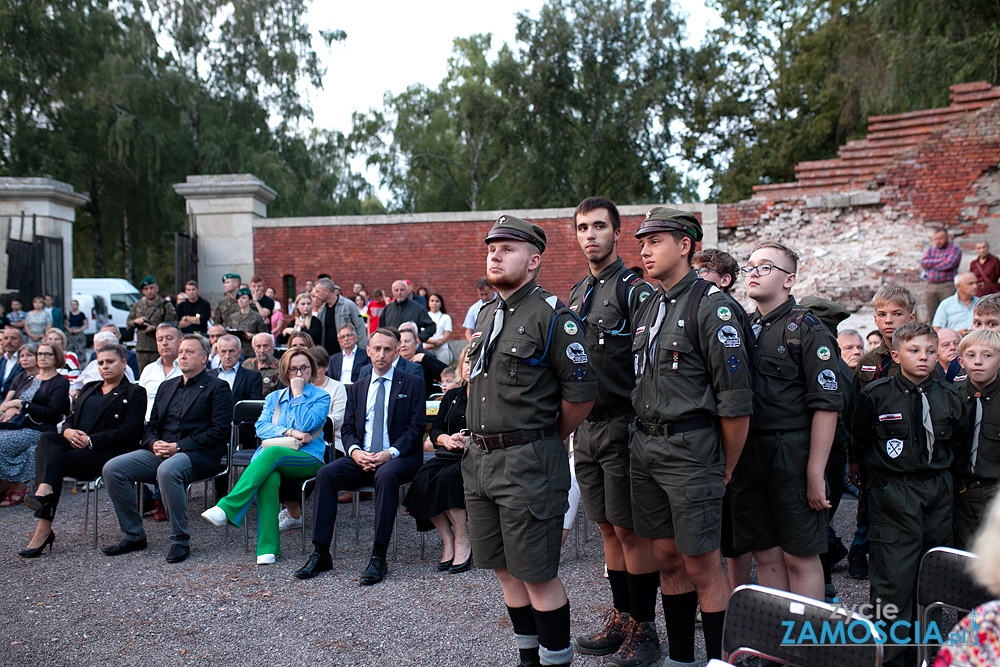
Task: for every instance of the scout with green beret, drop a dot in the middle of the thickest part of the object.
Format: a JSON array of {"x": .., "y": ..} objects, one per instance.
[
  {"x": 246, "y": 321},
  {"x": 143, "y": 317},
  {"x": 779, "y": 495},
  {"x": 692, "y": 401},
  {"x": 531, "y": 386},
  {"x": 227, "y": 305},
  {"x": 606, "y": 301}
]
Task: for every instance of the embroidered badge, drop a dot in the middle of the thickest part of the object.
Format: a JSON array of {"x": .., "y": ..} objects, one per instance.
[
  {"x": 729, "y": 336},
  {"x": 724, "y": 314},
  {"x": 520, "y": 330},
  {"x": 792, "y": 326},
  {"x": 576, "y": 353},
  {"x": 733, "y": 363},
  {"x": 579, "y": 375},
  {"x": 643, "y": 296},
  {"x": 640, "y": 329},
  {"x": 571, "y": 328},
  {"x": 574, "y": 306},
  {"x": 781, "y": 349},
  {"x": 891, "y": 417},
  {"x": 823, "y": 352},
  {"x": 869, "y": 369},
  {"x": 477, "y": 335},
  {"x": 827, "y": 379},
  {"x": 894, "y": 447},
  {"x": 961, "y": 378}
]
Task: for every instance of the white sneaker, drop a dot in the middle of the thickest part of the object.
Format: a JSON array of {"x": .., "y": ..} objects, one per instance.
[
  {"x": 215, "y": 516},
  {"x": 286, "y": 521},
  {"x": 265, "y": 559}
]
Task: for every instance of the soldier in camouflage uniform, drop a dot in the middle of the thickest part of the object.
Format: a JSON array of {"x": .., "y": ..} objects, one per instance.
[
  {"x": 227, "y": 305},
  {"x": 143, "y": 317},
  {"x": 264, "y": 362},
  {"x": 245, "y": 322}
]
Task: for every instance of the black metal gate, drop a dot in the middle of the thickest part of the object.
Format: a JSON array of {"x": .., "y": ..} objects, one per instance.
[
  {"x": 185, "y": 260},
  {"x": 34, "y": 268}
]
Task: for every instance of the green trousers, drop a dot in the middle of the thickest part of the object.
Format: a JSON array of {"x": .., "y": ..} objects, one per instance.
[{"x": 261, "y": 479}]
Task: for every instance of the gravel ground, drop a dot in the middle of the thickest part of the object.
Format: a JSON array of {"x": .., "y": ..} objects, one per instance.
[{"x": 76, "y": 606}]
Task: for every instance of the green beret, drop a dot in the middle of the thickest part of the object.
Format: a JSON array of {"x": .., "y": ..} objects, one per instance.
[
  {"x": 244, "y": 291},
  {"x": 663, "y": 219},
  {"x": 148, "y": 280},
  {"x": 515, "y": 229},
  {"x": 829, "y": 313},
  {"x": 231, "y": 276}
]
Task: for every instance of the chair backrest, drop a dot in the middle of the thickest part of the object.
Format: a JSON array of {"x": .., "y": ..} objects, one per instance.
[
  {"x": 247, "y": 412},
  {"x": 944, "y": 580},
  {"x": 328, "y": 438},
  {"x": 796, "y": 630}
]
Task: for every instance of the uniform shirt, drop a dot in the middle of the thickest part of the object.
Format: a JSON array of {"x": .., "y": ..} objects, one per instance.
[
  {"x": 539, "y": 360},
  {"x": 268, "y": 373},
  {"x": 987, "y": 466},
  {"x": 152, "y": 377},
  {"x": 224, "y": 310},
  {"x": 155, "y": 312},
  {"x": 874, "y": 365},
  {"x": 678, "y": 383},
  {"x": 790, "y": 387},
  {"x": 250, "y": 323},
  {"x": 888, "y": 427},
  {"x": 609, "y": 331}
]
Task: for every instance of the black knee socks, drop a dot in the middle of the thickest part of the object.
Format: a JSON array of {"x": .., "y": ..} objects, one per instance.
[
  {"x": 553, "y": 636},
  {"x": 711, "y": 627},
  {"x": 525, "y": 633},
  {"x": 620, "y": 590},
  {"x": 642, "y": 593},
  {"x": 679, "y": 617}
]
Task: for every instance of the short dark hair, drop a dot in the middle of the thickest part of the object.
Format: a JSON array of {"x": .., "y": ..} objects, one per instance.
[
  {"x": 117, "y": 350},
  {"x": 721, "y": 261},
  {"x": 387, "y": 331},
  {"x": 907, "y": 332},
  {"x": 483, "y": 283},
  {"x": 593, "y": 203},
  {"x": 679, "y": 236},
  {"x": 191, "y": 283}
]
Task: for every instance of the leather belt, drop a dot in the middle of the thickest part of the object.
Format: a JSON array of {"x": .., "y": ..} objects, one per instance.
[
  {"x": 975, "y": 483},
  {"x": 610, "y": 413},
  {"x": 488, "y": 441},
  {"x": 683, "y": 426}
]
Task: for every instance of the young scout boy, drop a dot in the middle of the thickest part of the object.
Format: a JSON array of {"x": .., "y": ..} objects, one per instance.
[
  {"x": 985, "y": 315},
  {"x": 906, "y": 428},
  {"x": 977, "y": 462},
  {"x": 779, "y": 496}
]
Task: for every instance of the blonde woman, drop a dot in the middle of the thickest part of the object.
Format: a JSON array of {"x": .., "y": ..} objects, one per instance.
[{"x": 301, "y": 318}]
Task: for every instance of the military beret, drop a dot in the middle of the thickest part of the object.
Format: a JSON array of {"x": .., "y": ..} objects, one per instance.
[
  {"x": 148, "y": 280},
  {"x": 515, "y": 229},
  {"x": 231, "y": 276},
  {"x": 244, "y": 291},
  {"x": 663, "y": 219},
  {"x": 829, "y": 313}
]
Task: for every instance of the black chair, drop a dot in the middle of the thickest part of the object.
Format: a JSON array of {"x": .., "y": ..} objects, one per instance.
[
  {"x": 944, "y": 581},
  {"x": 757, "y": 623},
  {"x": 244, "y": 413}
]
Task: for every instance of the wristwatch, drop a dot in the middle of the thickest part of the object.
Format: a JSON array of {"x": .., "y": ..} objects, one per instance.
[{"x": 90, "y": 443}]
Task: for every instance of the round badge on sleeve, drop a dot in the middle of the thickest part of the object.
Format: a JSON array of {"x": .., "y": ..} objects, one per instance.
[
  {"x": 576, "y": 353},
  {"x": 823, "y": 352},
  {"x": 724, "y": 313},
  {"x": 570, "y": 327}
]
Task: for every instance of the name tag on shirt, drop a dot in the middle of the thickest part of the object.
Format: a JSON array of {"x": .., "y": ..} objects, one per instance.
[
  {"x": 894, "y": 417},
  {"x": 869, "y": 369}
]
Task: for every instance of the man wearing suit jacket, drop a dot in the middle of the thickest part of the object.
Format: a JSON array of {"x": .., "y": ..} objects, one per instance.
[
  {"x": 185, "y": 439},
  {"x": 9, "y": 368},
  {"x": 399, "y": 363},
  {"x": 246, "y": 385},
  {"x": 345, "y": 366},
  {"x": 382, "y": 433}
]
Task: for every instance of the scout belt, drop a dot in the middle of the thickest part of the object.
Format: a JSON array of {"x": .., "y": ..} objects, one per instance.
[
  {"x": 683, "y": 426},
  {"x": 487, "y": 441},
  {"x": 610, "y": 413},
  {"x": 974, "y": 483}
]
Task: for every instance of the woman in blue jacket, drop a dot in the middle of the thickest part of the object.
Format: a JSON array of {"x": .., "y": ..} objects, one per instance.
[{"x": 291, "y": 430}]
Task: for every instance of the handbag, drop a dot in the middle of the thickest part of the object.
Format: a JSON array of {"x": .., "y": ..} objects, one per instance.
[{"x": 281, "y": 441}]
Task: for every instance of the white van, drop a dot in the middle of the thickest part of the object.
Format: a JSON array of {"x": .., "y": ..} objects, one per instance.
[{"x": 105, "y": 300}]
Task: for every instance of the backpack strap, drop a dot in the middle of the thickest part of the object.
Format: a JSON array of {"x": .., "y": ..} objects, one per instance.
[{"x": 691, "y": 328}]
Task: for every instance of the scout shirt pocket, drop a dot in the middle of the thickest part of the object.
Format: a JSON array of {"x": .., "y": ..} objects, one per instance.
[
  {"x": 510, "y": 361},
  {"x": 639, "y": 350},
  {"x": 675, "y": 353},
  {"x": 989, "y": 442},
  {"x": 608, "y": 326},
  {"x": 776, "y": 375},
  {"x": 893, "y": 442}
]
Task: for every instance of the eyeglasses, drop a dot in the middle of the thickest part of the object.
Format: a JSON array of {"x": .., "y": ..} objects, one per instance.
[
  {"x": 762, "y": 269},
  {"x": 44, "y": 354},
  {"x": 347, "y": 336},
  {"x": 703, "y": 271},
  {"x": 298, "y": 370}
]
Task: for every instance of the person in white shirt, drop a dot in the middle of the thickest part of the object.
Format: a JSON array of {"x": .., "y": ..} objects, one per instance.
[
  {"x": 345, "y": 366},
  {"x": 486, "y": 293},
  {"x": 438, "y": 343},
  {"x": 168, "y": 342}
]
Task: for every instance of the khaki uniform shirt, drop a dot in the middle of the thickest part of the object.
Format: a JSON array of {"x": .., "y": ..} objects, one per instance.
[
  {"x": 249, "y": 323},
  {"x": 539, "y": 360},
  {"x": 874, "y": 365},
  {"x": 155, "y": 312},
  {"x": 226, "y": 307},
  {"x": 987, "y": 466},
  {"x": 268, "y": 373}
]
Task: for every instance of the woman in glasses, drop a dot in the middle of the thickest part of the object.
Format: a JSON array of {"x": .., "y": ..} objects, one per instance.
[{"x": 291, "y": 430}]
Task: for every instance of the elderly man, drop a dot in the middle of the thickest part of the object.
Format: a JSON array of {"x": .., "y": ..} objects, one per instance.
[
  {"x": 90, "y": 372},
  {"x": 852, "y": 347},
  {"x": 264, "y": 361},
  {"x": 9, "y": 368},
  {"x": 955, "y": 312},
  {"x": 215, "y": 332},
  {"x": 185, "y": 439},
  {"x": 346, "y": 365},
  {"x": 939, "y": 264},
  {"x": 948, "y": 340},
  {"x": 144, "y": 316},
  {"x": 245, "y": 383},
  {"x": 404, "y": 309},
  {"x": 334, "y": 312}
]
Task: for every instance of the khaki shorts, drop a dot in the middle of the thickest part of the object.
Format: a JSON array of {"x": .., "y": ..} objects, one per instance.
[
  {"x": 677, "y": 488},
  {"x": 516, "y": 498},
  {"x": 768, "y": 497},
  {"x": 600, "y": 452}
]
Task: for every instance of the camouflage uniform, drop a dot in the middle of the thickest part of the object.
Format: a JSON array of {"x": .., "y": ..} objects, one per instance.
[
  {"x": 155, "y": 312},
  {"x": 225, "y": 309},
  {"x": 249, "y": 323},
  {"x": 268, "y": 372}
]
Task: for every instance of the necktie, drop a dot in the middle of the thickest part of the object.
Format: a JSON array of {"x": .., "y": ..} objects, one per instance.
[
  {"x": 654, "y": 331},
  {"x": 491, "y": 336},
  {"x": 379, "y": 426},
  {"x": 925, "y": 409},
  {"x": 587, "y": 303},
  {"x": 975, "y": 433}
]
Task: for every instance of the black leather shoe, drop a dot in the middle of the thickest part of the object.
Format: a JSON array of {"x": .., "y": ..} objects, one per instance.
[
  {"x": 38, "y": 551},
  {"x": 35, "y": 503},
  {"x": 317, "y": 563},
  {"x": 375, "y": 572},
  {"x": 178, "y": 553},
  {"x": 458, "y": 568},
  {"x": 444, "y": 565},
  {"x": 125, "y": 546}
]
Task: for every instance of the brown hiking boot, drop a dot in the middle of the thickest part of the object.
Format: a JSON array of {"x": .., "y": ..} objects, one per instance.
[
  {"x": 605, "y": 641},
  {"x": 641, "y": 646}
]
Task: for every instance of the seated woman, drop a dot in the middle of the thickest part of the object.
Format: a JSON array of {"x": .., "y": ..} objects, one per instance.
[
  {"x": 292, "y": 420},
  {"x": 107, "y": 420},
  {"x": 431, "y": 364},
  {"x": 437, "y": 495},
  {"x": 301, "y": 339},
  {"x": 71, "y": 363},
  {"x": 301, "y": 318},
  {"x": 35, "y": 405}
]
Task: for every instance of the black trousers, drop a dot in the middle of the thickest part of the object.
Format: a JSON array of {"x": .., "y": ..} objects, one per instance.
[{"x": 55, "y": 458}]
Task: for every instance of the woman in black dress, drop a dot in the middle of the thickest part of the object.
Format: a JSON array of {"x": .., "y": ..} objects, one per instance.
[
  {"x": 433, "y": 366},
  {"x": 437, "y": 496}
]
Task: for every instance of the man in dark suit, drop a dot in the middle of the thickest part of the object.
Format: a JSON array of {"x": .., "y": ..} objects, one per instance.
[
  {"x": 382, "y": 434},
  {"x": 399, "y": 363},
  {"x": 9, "y": 368},
  {"x": 345, "y": 366},
  {"x": 246, "y": 385},
  {"x": 185, "y": 439}
]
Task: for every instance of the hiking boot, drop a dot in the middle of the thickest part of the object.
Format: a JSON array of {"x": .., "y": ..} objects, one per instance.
[
  {"x": 641, "y": 646},
  {"x": 857, "y": 564},
  {"x": 836, "y": 552},
  {"x": 605, "y": 641}
]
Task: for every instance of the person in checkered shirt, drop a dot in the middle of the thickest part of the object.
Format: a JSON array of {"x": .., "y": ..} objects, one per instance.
[{"x": 940, "y": 265}]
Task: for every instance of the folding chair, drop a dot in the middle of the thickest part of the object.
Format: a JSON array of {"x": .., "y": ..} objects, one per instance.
[
  {"x": 98, "y": 482},
  {"x": 944, "y": 581},
  {"x": 244, "y": 412},
  {"x": 769, "y": 624}
]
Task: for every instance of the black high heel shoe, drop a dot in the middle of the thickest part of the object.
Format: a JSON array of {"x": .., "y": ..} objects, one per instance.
[
  {"x": 444, "y": 565},
  {"x": 35, "y": 553},
  {"x": 35, "y": 503},
  {"x": 458, "y": 568}
]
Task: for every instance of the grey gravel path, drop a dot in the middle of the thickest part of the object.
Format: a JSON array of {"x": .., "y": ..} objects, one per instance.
[{"x": 76, "y": 606}]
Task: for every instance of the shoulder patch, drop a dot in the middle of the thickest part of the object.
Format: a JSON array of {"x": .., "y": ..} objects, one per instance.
[
  {"x": 827, "y": 379},
  {"x": 823, "y": 352},
  {"x": 869, "y": 369},
  {"x": 811, "y": 320},
  {"x": 576, "y": 353},
  {"x": 553, "y": 301},
  {"x": 729, "y": 336},
  {"x": 724, "y": 313}
]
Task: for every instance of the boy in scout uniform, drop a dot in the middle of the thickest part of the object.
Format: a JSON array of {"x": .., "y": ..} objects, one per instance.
[
  {"x": 692, "y": 401},
  {"x": 906, "y": 428},
  {"x": 531, "y": 385},
  {"x": 779, "y": 495},
  {"x": 143, "y": 317},
  {"x": 606, "y": 302},
  {"x": 227, "y": 305},
  {"x": 977, "y": 461}
]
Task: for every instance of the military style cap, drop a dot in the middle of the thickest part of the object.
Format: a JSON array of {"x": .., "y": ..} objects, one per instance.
[
  {"x": 663, "y": 219},
  {"x": 515, "y": 229},
  {"x": 829, "y": 313},
  {"x": 234, "y": 276},
  {"x": 148, "y": 280},
  {"x": 244, "y": 290}
]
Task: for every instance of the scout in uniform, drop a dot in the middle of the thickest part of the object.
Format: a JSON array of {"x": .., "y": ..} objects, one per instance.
[
  {"x": 977, "y": 462},
  {"x": 779, "y": 495},
  {"x": 906, "y": 428},
  {"x": 606, "y": 301},
  {"x": 227, "y": 304},
  {"x": 692, "y": 401},
  {"x": 143, "y": 317},
  {"x": 531, "y": 386},
  {"x": 263, "y": 345},
  {"x": 245, "y": 322}
]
